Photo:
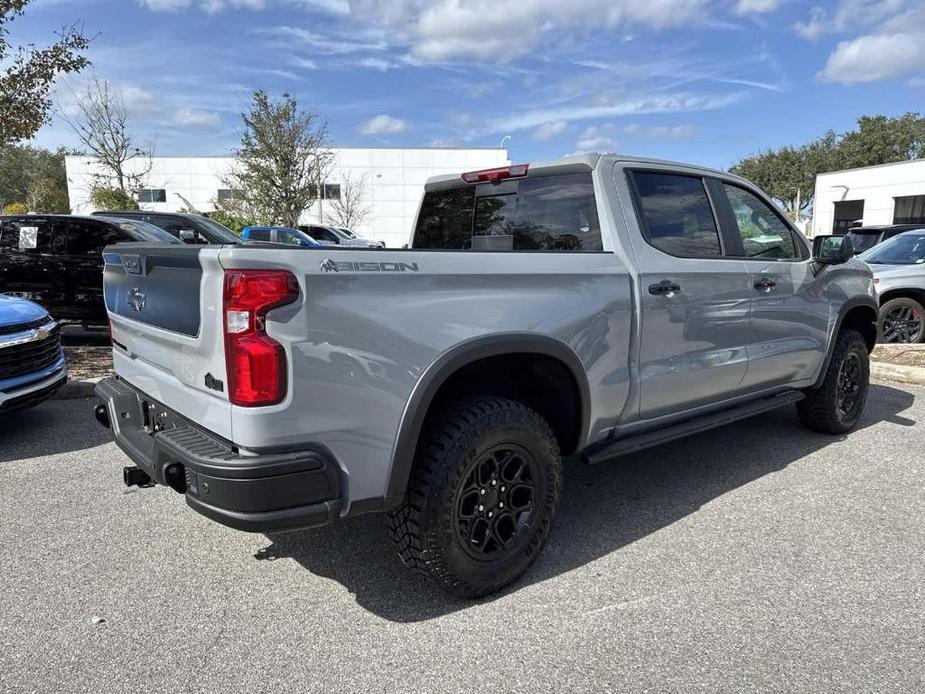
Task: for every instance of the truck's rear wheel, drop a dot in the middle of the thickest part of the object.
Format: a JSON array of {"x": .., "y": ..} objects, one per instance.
[
  {"x": 836, "y": 406},
  {"x": 482, "y": 496}
]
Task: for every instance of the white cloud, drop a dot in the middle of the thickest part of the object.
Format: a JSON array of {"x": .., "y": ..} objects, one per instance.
[
  {"x": 376, "y": 64},
  {"x": 891, "y": 41},
  {"x": 848, "y": 15},
  {"x": 660, "y": 132},
  {"x": 757, "y": 6},
  {"x": 166, "y": 5},
  {"x": 324, "y": 43},
  {"x": 479, "y": 89},
  {"x": 305, "y": 63},
  {"x": 330, "y": 6},
  {"x": 549, "y": 130},
  {"x": 656, "y": 103},
  {"x": 209, "y": 6},
  {"x": 875, "y": 57},
  {"x": 139, "y": 102},
  {"x": 596, "y": 139},
  {"x": 815, "y": 27},
  {"x": 492, "y": 31},
  {"x": 383, "y": 125},
  {"x": 192, "y": 118}
]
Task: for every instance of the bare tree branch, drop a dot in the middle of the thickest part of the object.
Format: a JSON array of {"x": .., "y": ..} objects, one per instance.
[
  {"x": 101, "y": 125},
  {"x": 351, "y": 210}
]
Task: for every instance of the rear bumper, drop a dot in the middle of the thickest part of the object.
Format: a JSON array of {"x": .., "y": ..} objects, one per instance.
[{"x": 255, "y": 493}]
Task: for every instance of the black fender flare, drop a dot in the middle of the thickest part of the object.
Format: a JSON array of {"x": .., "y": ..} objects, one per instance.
[
  {"x": 846, "y": 308},
  {"x": 446, "y": 365}
]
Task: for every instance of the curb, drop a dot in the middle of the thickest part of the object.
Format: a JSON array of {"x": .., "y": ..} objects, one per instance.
[
  {"x": 897, "y": 372},
  {"x": 73, "y": 390}
]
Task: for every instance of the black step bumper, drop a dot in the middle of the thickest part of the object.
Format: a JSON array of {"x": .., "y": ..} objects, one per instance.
[{"x": 256, "y": 493}]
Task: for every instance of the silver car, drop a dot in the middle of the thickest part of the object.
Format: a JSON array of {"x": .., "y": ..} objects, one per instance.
[
  {"x": 339, "y": 236},
  {"x": 899, "y": 274}
]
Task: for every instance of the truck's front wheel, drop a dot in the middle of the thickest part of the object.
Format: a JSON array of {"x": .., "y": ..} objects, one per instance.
[
  {"x": 482, "y": 496},
  {"x": 836, "y": 406}
]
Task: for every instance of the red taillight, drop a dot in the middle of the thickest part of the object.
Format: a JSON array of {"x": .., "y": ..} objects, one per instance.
[
  {"x": 255, "y": 363},
  {"x": 495, "y": 175}
]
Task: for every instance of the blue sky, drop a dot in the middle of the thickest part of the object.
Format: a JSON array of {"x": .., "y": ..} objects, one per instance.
[{"x": 707, "y": 81}]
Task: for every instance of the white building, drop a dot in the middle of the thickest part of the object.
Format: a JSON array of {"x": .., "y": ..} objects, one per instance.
[
  {"x": 393, "y": 180},
  {"x": 886, "y": 194}
]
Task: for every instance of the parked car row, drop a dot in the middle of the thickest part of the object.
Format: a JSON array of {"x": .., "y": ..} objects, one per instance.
[{"x": 57, "y": 260}]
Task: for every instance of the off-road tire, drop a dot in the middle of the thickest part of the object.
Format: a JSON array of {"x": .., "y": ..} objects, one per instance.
[
  {"x": 425, "y": 527},
  {"x": 820, "y": 410},
  {"x": 916, "y": 312}
]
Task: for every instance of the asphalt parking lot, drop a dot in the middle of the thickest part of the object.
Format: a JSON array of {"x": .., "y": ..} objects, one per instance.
[{"x": 754, "y": 557}]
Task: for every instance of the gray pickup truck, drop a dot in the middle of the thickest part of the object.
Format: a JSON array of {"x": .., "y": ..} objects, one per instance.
[{"x": 586, "y": 308}]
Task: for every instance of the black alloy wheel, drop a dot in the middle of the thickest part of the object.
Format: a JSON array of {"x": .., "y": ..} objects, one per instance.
[{"x": 496, "y": 502}]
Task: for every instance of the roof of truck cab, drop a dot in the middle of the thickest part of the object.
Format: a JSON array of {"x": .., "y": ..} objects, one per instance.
[{"x": 589, "y": 161}]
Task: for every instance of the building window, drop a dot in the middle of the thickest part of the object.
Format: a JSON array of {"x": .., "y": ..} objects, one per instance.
[
  {"x": 909, "y": 209},
  {"x": 847, "y": 212},
  {"x": 331, "y": 191},
  {"x": 152, "y": 195},
  {"x": 225, "y": 194}
]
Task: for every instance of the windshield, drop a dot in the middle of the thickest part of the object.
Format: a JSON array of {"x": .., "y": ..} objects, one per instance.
[
  {"x": 223, "y": 233},
  {"x": 143, "y": 231},
  {"x": 347, "y": 232},
  {"x": 905, "y": 249},
  {"x": 863, "y": 240}
]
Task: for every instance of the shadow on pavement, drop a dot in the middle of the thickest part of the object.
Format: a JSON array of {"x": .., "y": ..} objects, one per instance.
[
  {"x": 604, "y": 508},
  {"x": 54, "y": 426}
]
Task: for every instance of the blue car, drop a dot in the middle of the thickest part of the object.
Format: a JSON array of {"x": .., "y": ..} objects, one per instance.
[
  {"x": 293, "y": 237},
  {"x": 31, "y": 359}
]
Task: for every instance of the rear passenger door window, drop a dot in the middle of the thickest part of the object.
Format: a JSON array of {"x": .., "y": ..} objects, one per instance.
[
  {"x": 676, "y": 214},
  {"x": 30, "y": 235},
  {"x": 764, "y": 234}
]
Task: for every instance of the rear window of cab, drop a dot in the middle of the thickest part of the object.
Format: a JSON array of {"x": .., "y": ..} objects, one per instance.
[{"x": 540, "y": 213}]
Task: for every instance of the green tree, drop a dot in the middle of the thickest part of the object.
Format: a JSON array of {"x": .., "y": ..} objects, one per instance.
[
  {"x": 28, "y": 172},
  {"x": 883, "y": 140},
  {"x": 281, "y": 162},
  {"x": 877, "y": 140},
  {"x": 112, "y": 198},
  {"x": 47, "y": 197},
  {"x": 15, "y": 208},
  {"x": 231, "y": 220},
  {"x": 27, "y": 74}
]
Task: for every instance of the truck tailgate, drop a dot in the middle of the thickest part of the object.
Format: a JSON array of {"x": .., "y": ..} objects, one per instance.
[{"x": 167, "y": 341}]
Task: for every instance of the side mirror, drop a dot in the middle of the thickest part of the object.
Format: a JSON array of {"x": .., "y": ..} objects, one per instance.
[
  {"x": 832, "y": 250},
  {"x": 188, "y": 235}
]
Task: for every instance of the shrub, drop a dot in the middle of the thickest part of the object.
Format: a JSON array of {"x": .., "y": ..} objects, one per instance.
[
  {"x": 231, "y": 220},
  {"x": 105, "y": 198},
  {"x": 15, "y": 208}
]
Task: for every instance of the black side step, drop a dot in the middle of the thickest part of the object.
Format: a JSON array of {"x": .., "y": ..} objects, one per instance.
[{"x": 637, "y": 442}]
